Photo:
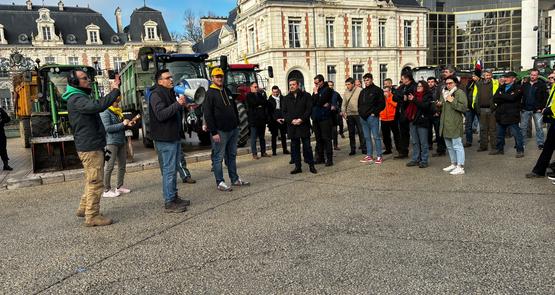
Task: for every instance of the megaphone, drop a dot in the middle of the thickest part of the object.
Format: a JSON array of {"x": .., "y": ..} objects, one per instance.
[{"x": 192, "y": 95}]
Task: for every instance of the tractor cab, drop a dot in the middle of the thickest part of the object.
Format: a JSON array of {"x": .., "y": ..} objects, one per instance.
[{"x": 238, "y": 78}]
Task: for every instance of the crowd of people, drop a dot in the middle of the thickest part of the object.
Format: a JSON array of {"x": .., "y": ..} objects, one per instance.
[{"x": 416, "y": 113}]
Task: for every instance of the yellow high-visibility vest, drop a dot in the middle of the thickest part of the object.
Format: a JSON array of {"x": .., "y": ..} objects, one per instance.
[
  {"x": 475, "y": 91},
  {"x": 550, "y": 103}
]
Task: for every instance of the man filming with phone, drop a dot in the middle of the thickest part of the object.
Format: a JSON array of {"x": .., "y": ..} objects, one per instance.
[{"x": 90, "y": 140}]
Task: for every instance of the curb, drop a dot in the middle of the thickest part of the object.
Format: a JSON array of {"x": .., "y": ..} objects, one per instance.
[{"x": 78, "y": 174}]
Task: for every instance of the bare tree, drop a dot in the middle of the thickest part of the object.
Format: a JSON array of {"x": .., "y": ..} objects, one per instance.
[
  {"x": 177, "y": 36},
  {"x": 193, "y": 30}
]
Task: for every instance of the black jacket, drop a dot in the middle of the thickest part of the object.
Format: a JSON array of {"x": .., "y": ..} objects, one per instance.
[
  {"x": 274, "y": 113},
  {"x": 4, "y": 119},
  {"x": 399, "y": 98},
  {"x": 538, "y": 98},
  {"x": 220, "y": 110},
  {"x": 508, "y": 104},
  {"x": 84, "y": 118},
  {"x": 371, "y": 102},
  {"x": 257, "y": 109},
  {"x": 319, "y": 100},
  {"x": 424, "y": 110},
  {"x": 164, "y": 114},
  {"x": 297, "y": 107}
]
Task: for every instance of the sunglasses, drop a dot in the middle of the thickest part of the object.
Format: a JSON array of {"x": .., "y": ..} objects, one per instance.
[{"x": 552, "y": 77}]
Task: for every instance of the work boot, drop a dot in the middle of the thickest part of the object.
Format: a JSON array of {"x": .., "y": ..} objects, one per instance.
[
  {"x": 80, "y": 212},
  {"x": 98, "y": 220},
  {"x": 174, "y": 207},
  {"x": 189, "y": 180},
  {"x": 352, "y": 153},
  {"x": 182, "y": 201}
]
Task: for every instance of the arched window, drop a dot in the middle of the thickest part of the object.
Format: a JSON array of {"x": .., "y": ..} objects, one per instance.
[{"x": 93, "y": 35}]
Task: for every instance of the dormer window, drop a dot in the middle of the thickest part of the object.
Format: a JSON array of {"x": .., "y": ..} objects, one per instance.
[
  {"x": 45, "y": 28},
  {"x": 46, "y": 33},
  {"x": 151, "y": 31},
  {"x": 93, "y": 35},
  {"x": 2, "y": 38}
]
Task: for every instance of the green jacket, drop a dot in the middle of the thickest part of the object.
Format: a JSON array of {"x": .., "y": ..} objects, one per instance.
[{"x": 452, "y": 114}]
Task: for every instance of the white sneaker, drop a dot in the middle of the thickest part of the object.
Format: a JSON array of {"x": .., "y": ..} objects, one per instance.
[
  {"x": 123, "y": 190},
  {"x": 222, "y": 186},
  {"x": 111, "y": 194},
  {"x": 450, "y": 168},
  {"x": 457, "y": 171}
]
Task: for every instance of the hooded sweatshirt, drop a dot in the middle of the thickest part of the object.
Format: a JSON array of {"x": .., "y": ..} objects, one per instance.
[{"x": 84, "y": 117}]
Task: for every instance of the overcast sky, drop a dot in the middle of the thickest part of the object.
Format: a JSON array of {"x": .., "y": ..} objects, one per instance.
[{"x": 172, "y": 10}]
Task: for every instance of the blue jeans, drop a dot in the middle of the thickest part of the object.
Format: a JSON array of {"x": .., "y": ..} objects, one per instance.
[
  {"x": 169, "y": 153},
  {"x": 226, "y": 148},
  {"x": 371, "y": 128},
  {"x": 419, "y": 139},
  {"x": 515, "y": 130},
  {"x": 538, "y": 123},
  {"x": 258, "y": 132},
  {"x": 456, "y": 150},
  {"x": 471, "y": 117}
]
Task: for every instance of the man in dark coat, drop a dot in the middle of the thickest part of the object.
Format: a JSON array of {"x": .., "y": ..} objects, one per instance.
[
  {"x": 322, "y": 121},
  {"x": 297, "y": 108},
  {"x": 165, "y": 125},
  {"x": 275, "y": 112},
  {"x": 534, "y": 97},
  {"x": 4, "y": 119},
  {"x": 407, "y": 87},
  {"x": 507, "y": 101},
  {"x": 257, "y": 109}
]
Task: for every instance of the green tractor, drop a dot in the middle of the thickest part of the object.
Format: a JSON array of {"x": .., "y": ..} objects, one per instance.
[
  {"x": 544, "y": 63},
  {"x": 189, "y": 71},
  {"x": 44, "y": 123}
]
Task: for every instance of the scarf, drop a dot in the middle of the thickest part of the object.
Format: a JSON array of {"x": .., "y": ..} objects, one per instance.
[
  {"x": 117, "y": 111},
  {"x": 447, "y": 93},
  {"x": 277, "y": 99},
  {"x": 410, "y": 112}
]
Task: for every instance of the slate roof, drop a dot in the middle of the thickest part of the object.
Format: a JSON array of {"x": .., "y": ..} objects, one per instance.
[
  {"x": 135, "y": 29},
  {"x": 18, "y": 20}
]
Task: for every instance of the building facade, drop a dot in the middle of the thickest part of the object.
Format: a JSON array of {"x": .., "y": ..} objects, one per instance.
[
  {"x": 74, "y": 35},
  {"x": 338, "y": 39},
  {"x": 504, "y": 34}
]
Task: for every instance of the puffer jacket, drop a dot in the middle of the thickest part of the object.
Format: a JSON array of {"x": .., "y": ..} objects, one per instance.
[
  {"x": 388, "y": 114},
  {"x": 115, "y": 130}
]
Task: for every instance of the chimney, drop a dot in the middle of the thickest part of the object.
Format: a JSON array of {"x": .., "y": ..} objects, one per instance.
[
  {"x": 61, "y": 5},
  {"x": 211, "y": 24},
  {"x": 29, "y": 4},
  {"x": 119, "y": 24}
]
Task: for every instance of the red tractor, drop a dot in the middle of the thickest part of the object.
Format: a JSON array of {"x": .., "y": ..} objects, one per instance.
[{"x": 238, "y": 78}]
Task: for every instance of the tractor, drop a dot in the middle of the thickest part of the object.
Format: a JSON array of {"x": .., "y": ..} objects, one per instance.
[{"x": 43, "y": 117}]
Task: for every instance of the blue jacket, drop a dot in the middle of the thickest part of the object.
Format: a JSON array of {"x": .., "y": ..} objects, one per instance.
[{"x": 115, "y": 130}]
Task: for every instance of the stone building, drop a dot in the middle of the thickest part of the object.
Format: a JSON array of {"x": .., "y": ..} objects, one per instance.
[
  {"x": 75, "y": 35},
  {"x": 339, "y": 38}
]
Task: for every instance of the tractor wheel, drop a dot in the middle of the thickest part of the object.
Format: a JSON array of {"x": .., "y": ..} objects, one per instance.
[
  {"x": 25, "y": 132},
  {"x": 244, "y": 130}
]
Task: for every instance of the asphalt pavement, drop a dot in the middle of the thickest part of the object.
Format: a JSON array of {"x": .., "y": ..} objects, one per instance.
[{"x": 350, "y": 229}]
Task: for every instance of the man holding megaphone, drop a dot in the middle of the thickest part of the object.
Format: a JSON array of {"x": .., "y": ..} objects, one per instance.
[{"x": 164, "y": 112}]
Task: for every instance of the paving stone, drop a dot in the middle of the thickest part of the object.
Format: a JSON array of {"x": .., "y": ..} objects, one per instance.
[
  {"x": 74, "y": 175},
  {"x": 24, "y": 182},
  {"x": 134, "y": 167},
  {"x": 50, "y": 178}
]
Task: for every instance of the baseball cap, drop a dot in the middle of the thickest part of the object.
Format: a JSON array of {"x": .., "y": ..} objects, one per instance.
[{"x": 217, "y": 72}]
